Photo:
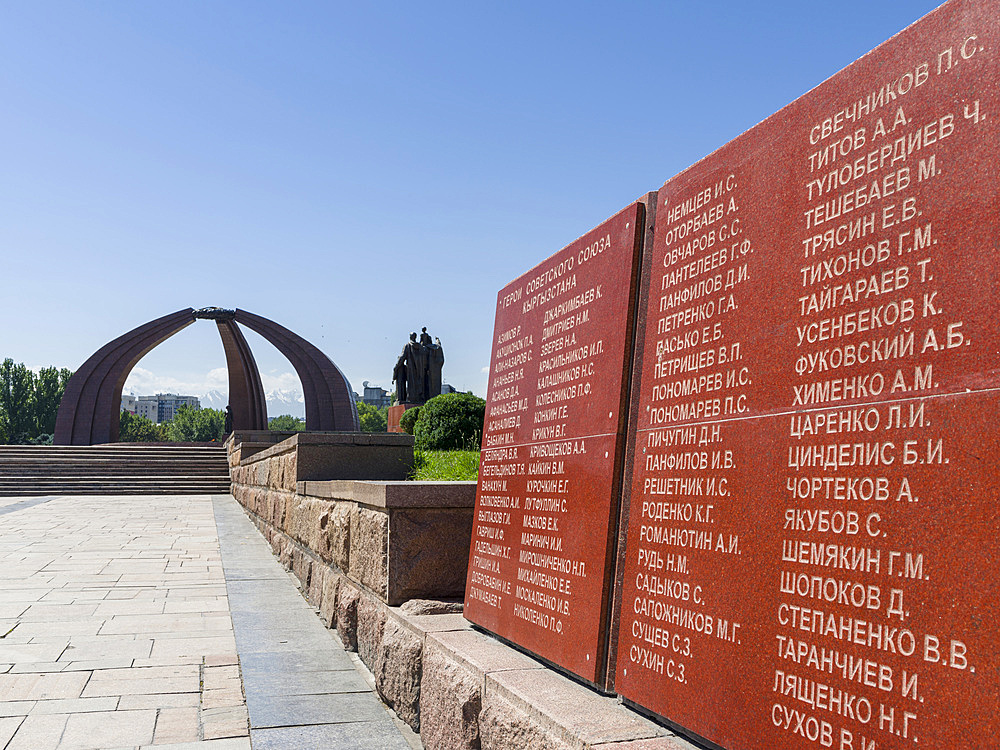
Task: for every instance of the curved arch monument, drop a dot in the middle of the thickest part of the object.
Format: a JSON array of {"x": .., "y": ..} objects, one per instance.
[{"x": 89, "y": 412}]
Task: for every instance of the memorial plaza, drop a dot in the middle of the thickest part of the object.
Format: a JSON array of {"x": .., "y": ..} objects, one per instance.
[{"x": 165, "y": 621}]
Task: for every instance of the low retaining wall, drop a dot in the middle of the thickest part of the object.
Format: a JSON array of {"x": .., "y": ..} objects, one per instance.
[{"x": 384, "y": 562}]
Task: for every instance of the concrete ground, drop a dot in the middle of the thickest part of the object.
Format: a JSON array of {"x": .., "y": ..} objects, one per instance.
[{"x": 164, "y": 621}]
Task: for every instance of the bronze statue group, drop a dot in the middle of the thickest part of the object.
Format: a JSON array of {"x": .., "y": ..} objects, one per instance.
[{"x": 417, "y": 373}]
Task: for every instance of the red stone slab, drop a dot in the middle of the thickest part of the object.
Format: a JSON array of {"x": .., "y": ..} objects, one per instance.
[
  {"x": 552, "y": 447},
  {"x": 820, "y": 341},
  {"x": 715, "y": 610}
]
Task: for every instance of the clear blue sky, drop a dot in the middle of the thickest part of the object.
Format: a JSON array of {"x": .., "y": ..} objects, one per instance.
[{"x": 354, "y": 171}]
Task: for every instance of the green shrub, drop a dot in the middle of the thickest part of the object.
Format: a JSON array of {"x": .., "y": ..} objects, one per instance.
[
  {"x": 445, "y": 466},
  {"x": 408, "y": 419},
  {"x": 452, "y": 421}
]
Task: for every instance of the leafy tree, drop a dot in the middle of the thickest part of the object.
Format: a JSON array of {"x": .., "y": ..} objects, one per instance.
[
  {"x": 17, "y": 401},
  {"x": 197, "y": 425},
  {"x": 29, "y": 403},
  {"x": 408, "y": 419},
  {"x": 451, "y": 421},
  {"x": 137, "y": 429},
  {"x": 49, "y": 389},
  {"x": 286, "y": 423},
  {"x": 372, "y": 418}
]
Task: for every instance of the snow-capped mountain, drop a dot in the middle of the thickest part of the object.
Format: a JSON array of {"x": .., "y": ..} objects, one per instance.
[
  {"x": 279, "y": 401},
  {"x": 214, "y": 400}
]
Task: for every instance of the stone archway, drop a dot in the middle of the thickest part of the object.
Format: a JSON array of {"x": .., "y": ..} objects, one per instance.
[{"x": 89, "y": 413}]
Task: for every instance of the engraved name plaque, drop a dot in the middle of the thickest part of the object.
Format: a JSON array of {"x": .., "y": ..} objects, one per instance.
[
  {"x": 547, "y": 501},
  {"x": 812, "y": 537}
]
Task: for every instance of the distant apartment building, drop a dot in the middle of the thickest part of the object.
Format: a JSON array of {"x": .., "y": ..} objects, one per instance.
[{"x": 159, "y": 408}]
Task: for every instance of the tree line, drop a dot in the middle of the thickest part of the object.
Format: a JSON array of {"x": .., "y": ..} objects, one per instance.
[
  {"x": 188, "y": 426},
  {"x": 29, "y": 402},
  {"x": 371, "y": 419}
]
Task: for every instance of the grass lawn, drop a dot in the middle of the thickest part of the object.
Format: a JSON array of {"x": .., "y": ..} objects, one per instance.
[{"x": 445, "y": 466}]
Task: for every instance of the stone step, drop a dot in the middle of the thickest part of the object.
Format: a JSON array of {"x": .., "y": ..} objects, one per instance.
[
  {"x": 113, "y": 470},
  {"x": 172, "y": 467}
]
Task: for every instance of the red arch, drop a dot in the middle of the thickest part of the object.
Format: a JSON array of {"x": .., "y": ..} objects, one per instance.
[
  {"x": 89, "y": 412},
  {"x": 246, "y": 392},
  {"x": 329, "y": 400}
]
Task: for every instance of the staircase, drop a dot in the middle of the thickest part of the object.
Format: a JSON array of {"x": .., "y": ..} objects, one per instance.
[{"x": 117, "y": 469}]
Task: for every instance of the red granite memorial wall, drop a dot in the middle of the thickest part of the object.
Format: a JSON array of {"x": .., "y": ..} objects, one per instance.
[
  {"x": 807, "y": 550},
  {"x": 811, "y": 555},
  {"x": 550, "y": 469}
]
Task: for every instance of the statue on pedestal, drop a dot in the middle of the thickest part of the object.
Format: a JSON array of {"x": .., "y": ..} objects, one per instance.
[{"x": 417, "y": 373}]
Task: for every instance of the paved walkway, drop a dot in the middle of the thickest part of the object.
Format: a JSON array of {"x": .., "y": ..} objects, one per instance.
[{"x": 164, "y": 621}]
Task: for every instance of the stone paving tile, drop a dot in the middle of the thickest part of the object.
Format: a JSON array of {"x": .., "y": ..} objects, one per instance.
[
  {"x": 38, "y": 667},
  {"x": 220, "y": 676},
  {"x": 304, "y": 683},
  {"x": 195, "y": 604},
  {"x": 222, "y": 698},
  {"x": 16, "y": 708},
  {"x": 9, "y": 725},
  {"x": 86, "y": 665},
  {"x": 129, "y": 593},
  {"x": 110, "y": 608},
  {"x": 222, "y": 660},
  {"x": 166, "y": 623},
  {"x": 80, "y": 626},
  {"x": 174, "y": 725},
  {"x": 42, "y": 686},
  {"x": 177, "y": 660},
  {"x": 43, "y": 613},
  {"x": 107, "y": 729},
  {"x": 39, "y": 732},
  {"x": 106, "y": 647},
  {"x": 361, "y": 736},
  {"x": 168, "y": 648},
  {"x": 292, "y": 710},
  {"x": 232, "y": 743},
  {"x": 16, "y": 653},
  {"x": 160, "y": 700},
  {"x": 130, "y": 686},
  {"x": 230, "y": 721},
  {"x": 292, "y": 662},
  {"x": 75, "y": 705}
]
